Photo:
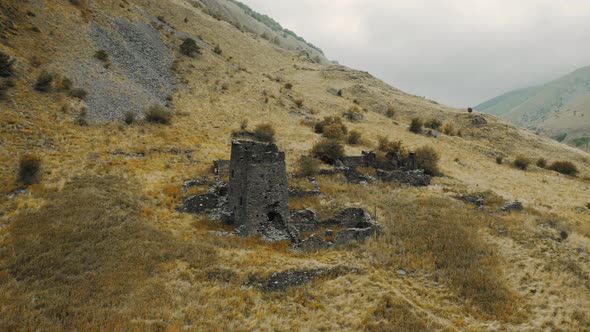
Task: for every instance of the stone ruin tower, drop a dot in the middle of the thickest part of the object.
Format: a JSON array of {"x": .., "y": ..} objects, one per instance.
[{"x": 258, "y": 190}]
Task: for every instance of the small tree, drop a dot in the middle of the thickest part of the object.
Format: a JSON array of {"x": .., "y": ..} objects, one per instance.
[
  {"x": 44, "y": 81},
  {"x": 5, "y": 65},
  {"x": 264, "y": 132},
  {"x": 521, "y": 162},
  {"x": 189, "y": 47},
  {"x": 328, "y": 150},
  {"x": 564, "y": 167},
  {"x": 29, "y": 169},
  {"x": 416, "y": 125}
]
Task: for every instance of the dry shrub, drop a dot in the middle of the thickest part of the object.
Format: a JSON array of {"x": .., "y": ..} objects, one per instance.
[
  {"x": 288, "y": 86},
  {"x": 390, "y": 113},
  {"x": 129, "y": 117},
  {"x": 427, "y": 159},
  {"x": 564, "y": 167},
  {"x": 308, "y": 166},
  {"x": 328, "y": 120},
  {"x": 449, "y": 129},
  {"x": 158, "y": 114},
  {"x": 499, "y": 160},
  {"x": 439, "y": 235},
  {"x": 79, "y": 93},
  {"x": 189, "y": 47},
  {"x": 394, "y": 314},
  {"x": 6, "y": 63},
  {"x": 29, "y": 169},
  {"x": 44, "y": 81},
  {"x": 354, "y": 137},
  {"x": 264, "y": 132},
  {"x": 335, "y": 131},
  {"x": 416, "y": 125},
  {"x": 387, "y": 146},
  {"x": 298, "y": 103},
  {"x": 521, "y": 162},
  {"x": 88, "y": 260},
  {"x": 353, "y": 114},
  {"x": 328, "y": 150},
  {"x": 542, "y": 163}
]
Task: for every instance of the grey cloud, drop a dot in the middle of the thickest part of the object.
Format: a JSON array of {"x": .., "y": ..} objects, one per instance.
[{"x": 458, "y": 52}]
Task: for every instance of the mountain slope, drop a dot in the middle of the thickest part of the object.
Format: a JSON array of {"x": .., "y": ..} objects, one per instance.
[
  {"x": 557, "y": 109},
  {"x": 98, "y": 242}
]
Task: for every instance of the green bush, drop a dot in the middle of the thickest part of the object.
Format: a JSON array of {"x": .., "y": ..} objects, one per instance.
[
  {"x": 433, "y": 124},
  {"x": 328, "y": 150},
  {"x": 416, "y": 125},
  {"x": 542, "y": 163},
  {"x": 308, "y": 166},
  {"x": 44, "y": 81},
  {"x": 427, "y": 159},
  {"x": 499, "y": 160},
  {"x": 564, "y": 167},
  {"x": 102, "y": 55},
  {"x": 521, "y": 162},
  {"x": 354, "y": 138},
  {"x": 264, "y": 132},
  {"x": 158, "y": 114},
  {"x": 28, "y": 169},
  {"x": 189, "y": 47},
  {"x": 5, "y": 65}
]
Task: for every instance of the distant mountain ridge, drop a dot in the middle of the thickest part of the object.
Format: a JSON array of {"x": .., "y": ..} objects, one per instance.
[{"x": 559, "y": 109}]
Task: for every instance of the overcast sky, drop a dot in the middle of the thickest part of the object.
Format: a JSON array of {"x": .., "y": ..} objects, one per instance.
[{"x": 458, "y": 52}]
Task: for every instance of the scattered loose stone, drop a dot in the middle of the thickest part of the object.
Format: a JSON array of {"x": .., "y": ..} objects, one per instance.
[
  {"x": 513, "y": 206},
  {"x": 281, "y": 281}
]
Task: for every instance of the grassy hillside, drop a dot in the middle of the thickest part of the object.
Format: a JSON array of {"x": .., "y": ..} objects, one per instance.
[
  {"x": 556, "y": 109},
  {"x": 96, "y": 242}
]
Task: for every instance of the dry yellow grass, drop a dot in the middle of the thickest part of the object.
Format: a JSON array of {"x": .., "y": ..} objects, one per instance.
[{"x": 98, "y": 245}]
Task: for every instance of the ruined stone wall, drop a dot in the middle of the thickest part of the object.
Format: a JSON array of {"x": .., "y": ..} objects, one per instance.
[
  {"x": 258, "y": 189},
  {"x": 221, "y": 167}
]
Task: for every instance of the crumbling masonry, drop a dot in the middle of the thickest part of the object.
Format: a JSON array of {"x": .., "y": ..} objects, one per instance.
[{"x": 258, "y": 190}]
